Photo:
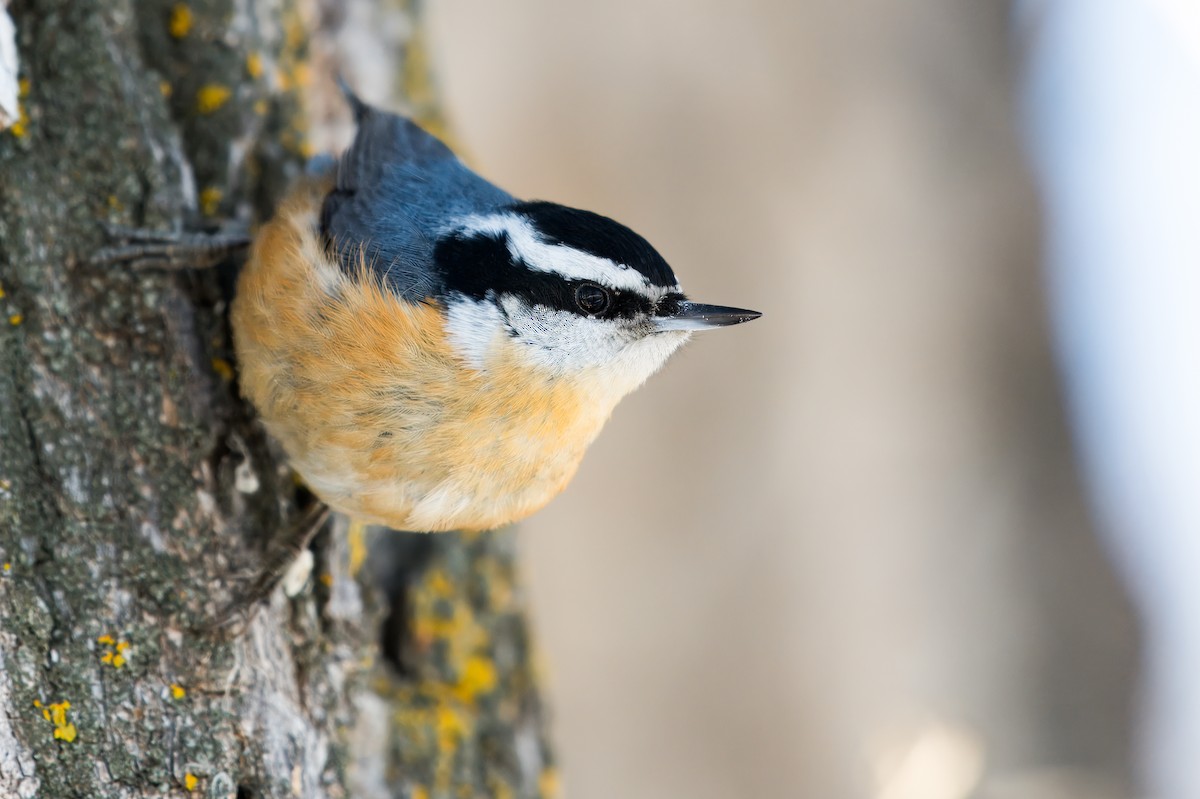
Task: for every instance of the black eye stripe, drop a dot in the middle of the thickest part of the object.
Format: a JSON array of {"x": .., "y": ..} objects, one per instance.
[{"x": 476, "y": 265}]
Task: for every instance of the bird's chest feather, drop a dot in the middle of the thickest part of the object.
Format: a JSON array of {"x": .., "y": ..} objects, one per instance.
[{"x": 424, "y": 442}]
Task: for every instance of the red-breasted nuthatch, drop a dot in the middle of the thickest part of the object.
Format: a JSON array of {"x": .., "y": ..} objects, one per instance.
[{"x": 435, "y": 355}]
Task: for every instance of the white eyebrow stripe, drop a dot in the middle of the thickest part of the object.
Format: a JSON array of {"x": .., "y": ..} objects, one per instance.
[{"x": 559, "y": 259}]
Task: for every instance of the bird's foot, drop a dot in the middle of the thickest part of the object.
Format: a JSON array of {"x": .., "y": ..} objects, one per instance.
[
  {"x": 287, "y": 547},
  {"x": 169, "y": 250}
]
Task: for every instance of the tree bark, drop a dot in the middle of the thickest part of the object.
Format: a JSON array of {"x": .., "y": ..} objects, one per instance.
[{"x": 137, "y": 492}]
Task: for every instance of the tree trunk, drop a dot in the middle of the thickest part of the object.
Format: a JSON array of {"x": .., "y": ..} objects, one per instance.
[{"x": 137, "y": 492}]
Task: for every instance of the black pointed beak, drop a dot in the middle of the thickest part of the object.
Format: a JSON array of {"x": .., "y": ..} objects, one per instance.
[{"x": 697, "y": 316}]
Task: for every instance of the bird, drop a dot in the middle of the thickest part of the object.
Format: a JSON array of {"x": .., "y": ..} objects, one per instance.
[{"x": 432, "y": 353}]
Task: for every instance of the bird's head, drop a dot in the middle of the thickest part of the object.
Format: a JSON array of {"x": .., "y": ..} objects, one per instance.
[{"x": 574, "y": 292}]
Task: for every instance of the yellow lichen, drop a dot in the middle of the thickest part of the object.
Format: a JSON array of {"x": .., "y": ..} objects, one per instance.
[
  {"x": 549, "y": 784},
  {"x": 210, "y": 200},
  {"x": 419, "y": 792},
  {"x": 222, "y": 368},
  {"x": 439, "y": 583},
  {"x": 7, "y": 567},
  {"x": 15, "y": 319},
  {"x": 478, "y": 678},
  {"x": 293, "y": 32},
  {"x": 164, "y": 88},
  {"x": 498, "y": 789},
  {"x": 21, "y": 126},
  {"x": 260, "y": 107},
  {"x": 211, "y": 97},
  {"x": 450, "y": 728},
  {"x": 254, "y": 65},
  {"x": 190, "y": 781},
  {"x": 56, "y": 713},
  {"x": 357, "y": 544},
  {"x": 180, "y": 22},
  {"x": 114, "y": 656},
  {"x": 1, "y": 292},
  {"x": 325, "y": 579},
  {"x": 178, "y": 691},
  {"x": 302, "y": 75}
]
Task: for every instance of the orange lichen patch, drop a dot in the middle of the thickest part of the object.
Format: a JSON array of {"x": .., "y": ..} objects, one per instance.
[
  {"x": 190, "y": 781},
  {"x": 1, "y": 292},
  {"x": 210, "y": 200},
  {"x": 178, "y": 691},
  {"x": 211, "y": 97},
  {"x": 56, "y": 714},
  {"x": 419, "y": 792},
  {"x": 325, "y": 579},
  {"x": 179, "y": 24},
  {"x": 223, "y": 369},
  {"x": 15, "y": 319},
  {"x": 254, "y": 65}
]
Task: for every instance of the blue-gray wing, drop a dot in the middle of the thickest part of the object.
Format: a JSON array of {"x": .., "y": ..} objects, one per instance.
[{"x": 397, "y": 188}]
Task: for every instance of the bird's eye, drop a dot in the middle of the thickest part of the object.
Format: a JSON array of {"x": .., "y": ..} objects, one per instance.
[{"x": 592, "y": 299}]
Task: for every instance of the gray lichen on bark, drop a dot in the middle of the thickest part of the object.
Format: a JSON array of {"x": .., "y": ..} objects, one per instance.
[{"x": 136, "y": 489}]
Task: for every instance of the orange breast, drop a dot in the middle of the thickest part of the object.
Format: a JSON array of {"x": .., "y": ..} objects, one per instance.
[{"x": 376, "y": 411}]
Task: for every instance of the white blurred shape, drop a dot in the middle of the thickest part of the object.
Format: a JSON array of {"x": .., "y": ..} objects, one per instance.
[
  {"x": 9, "y": 111},
  {"x": 1183, "y": 19},
  {"x": 297, "y": 574},
  {"x": 1113, "y": 95},
  {"x": 940, "y": 761}
]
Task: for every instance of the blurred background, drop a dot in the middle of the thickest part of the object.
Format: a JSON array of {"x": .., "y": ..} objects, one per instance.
[{"x": 849, "y": 550}]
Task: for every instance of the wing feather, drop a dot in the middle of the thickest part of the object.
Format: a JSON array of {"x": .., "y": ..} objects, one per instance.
[{"x": 397, "y": 189}]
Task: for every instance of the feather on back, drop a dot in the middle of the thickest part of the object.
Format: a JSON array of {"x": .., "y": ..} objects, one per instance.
[{"x": 397, "y": 188}]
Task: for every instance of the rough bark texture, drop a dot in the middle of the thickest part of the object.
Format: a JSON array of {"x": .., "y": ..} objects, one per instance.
[{"x": 137, "y": 491}]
